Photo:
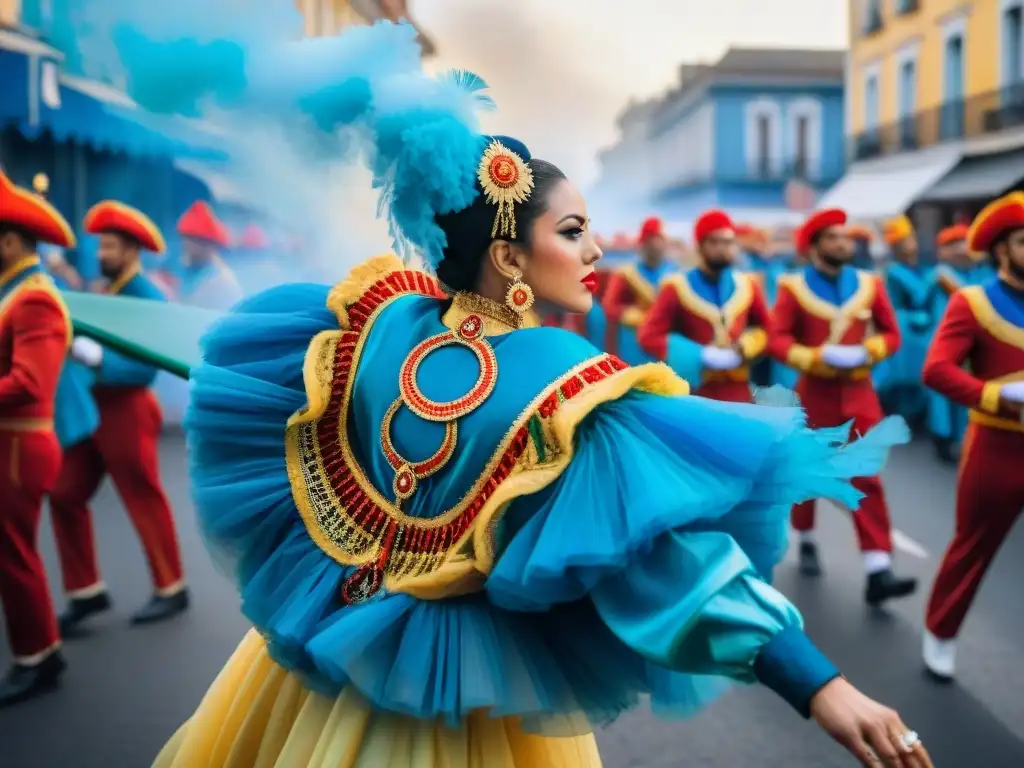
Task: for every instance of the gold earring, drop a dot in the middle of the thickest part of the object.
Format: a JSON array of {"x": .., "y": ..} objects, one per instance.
[{"x": 519, "y": 297}]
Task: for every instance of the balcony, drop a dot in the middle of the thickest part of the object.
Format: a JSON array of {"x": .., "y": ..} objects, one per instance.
[
  {"x": 904, "y": 7},
  {"x": 872, "y": 20},
  {"x": 954, "y": 120}
]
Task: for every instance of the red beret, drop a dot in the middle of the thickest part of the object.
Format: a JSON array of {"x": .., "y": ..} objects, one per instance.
[
  {"x": 111, "y": 216},
  {"x": 952, "y": 234},
  {"x": 997, "y": 218},
  {"x": 200, "y": 223},
  {"x": 711, "y": 221},
  {"x": 29, "y": 212},
  {"x": 253, "y": 237},
  {"x": 651, "y": 227},
  {"x": 816, "y": 223}
]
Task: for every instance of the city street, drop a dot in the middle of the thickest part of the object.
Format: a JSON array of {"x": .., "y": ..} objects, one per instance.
[{"x": 127, "y": 689}]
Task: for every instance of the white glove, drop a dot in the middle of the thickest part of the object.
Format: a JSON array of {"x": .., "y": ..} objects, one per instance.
[
  {"x": 1013, "y": 391},
  {"x": 719, "y": 359},
  {"x": 844, "y": 356},
  {"x": 87, "y": 352}
]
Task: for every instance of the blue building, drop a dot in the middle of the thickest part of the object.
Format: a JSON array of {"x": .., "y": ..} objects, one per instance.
[
  {"x": 759, "y": 133},
  {"x": 67, "y": 116}
]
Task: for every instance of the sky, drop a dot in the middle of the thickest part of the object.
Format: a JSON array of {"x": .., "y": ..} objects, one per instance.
[{"x": 560, "y": 70}]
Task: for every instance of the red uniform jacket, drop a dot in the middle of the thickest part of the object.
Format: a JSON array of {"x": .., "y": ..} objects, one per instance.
[
  {"x": 35, "y": 332},
  {"x": 973, "y": 331},
  {"x": 628, "y": 297},
  {"x": 803, "y": 322},
  {"x": 742, "y": 321}
]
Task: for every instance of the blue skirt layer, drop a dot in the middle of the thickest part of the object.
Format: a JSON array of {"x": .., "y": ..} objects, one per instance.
[{"x": 532, "y": 644}]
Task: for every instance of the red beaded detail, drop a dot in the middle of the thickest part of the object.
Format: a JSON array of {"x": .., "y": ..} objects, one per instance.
[
  {"x": 346, "y": 512},
  {"x": 431, "y": 410},
  {"x": 503, "y": 170},
  {"x": 407, "y": 473}
]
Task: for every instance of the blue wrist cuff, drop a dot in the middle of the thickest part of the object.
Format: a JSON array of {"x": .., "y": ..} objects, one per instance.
[{"x": 792, "y": 666}]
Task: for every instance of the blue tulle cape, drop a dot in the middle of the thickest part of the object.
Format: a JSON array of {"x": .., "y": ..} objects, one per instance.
[{"x": 532, "y": 644}]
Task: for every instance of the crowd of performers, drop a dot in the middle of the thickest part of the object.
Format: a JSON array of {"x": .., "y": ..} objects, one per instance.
[
  {"x": 73, "y": 412},
  {"x": 941, "y": 345}
]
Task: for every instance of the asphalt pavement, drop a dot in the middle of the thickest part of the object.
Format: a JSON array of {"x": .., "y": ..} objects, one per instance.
[{"x": 127, "y": 689}]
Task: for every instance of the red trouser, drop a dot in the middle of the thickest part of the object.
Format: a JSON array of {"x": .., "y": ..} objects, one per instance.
[
  {"x": 29, "y": 466},
  {"x": 830, "y": 403},
  {"x": 989, "y": 499},
  {"x": 126, "y": 447},
  {"x": 726, "y": 391}
]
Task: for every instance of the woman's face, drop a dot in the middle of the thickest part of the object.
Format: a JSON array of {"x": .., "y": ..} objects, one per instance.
[{"x": 562, "y": 252}]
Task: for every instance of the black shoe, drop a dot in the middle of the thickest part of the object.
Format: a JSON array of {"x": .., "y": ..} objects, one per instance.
[
  {"x": 81, "y": 608},
  {"x": 946, "y": 451},
  {"x": 885, "y": 585},
  {"x": 26, "y": 682},
  {"x": 162, "y": 608},
  {"x": 809, "y": 565}
]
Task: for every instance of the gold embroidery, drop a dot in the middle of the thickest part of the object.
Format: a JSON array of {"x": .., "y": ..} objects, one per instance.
[
  {"x": 40, "y": 283},
  {"x": 876, "y": 348},
  {"x": 347, "y": 517},
  {"x": 643, "y": 291},
  {"x": 752, "y": 343},
  {"x": 20, "y": 266},
  {"x": 990, "y": 395},
  {"x": 498, "y": 319},
  {"x": 721, "y": 319},
  {"x": 857, "y": 307},
  {"x": 989, "y": 319},
  {"x": 117, "y": 285}
]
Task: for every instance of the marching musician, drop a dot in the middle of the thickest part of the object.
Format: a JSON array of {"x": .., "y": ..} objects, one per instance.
[
  {"x": 125, "y": 445},
  {"x": 208, "y": 282},
  {"x": 35, "y": 332},
  {"x": 821, "y": 326},
  {"x": 711, "y": 322},
  {"x": 983, "y": 327},
  {"x": 631, "y": 292}
]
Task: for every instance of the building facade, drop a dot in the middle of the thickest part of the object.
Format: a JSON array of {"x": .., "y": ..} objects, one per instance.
[
  {"x": 65, "y": 119},
  {"x": 935, "y": 107},
  {"x": 759, "y": 133}
]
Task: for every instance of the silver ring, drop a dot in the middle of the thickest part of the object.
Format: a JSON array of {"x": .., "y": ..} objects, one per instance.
[{"x": 910, "y": 739}]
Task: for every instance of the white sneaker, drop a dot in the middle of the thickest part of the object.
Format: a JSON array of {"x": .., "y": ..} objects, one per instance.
[{"x": 939, "y": 656}]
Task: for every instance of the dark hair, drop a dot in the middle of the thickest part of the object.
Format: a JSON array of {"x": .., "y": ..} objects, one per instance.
[
  {"x": 30, "y": 240},
  {"x": 468, "y": 231},
  {"x": 127, "y": 241}
]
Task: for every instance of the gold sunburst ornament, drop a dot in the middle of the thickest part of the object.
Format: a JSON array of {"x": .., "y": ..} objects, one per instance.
[{"x": 506, "y": 180}]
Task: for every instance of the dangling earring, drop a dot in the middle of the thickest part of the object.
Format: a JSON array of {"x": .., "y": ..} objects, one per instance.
[{"x": 519, "y": 297}]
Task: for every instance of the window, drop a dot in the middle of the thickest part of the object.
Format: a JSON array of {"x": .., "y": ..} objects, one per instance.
[
  {"x": 907, "y": 6},
  {"x": 906, "y": 96},
  {"x": 871, "y": 16},
  {"x": 764, "y": 153},
  {"x": 951, "y": 119},
  {"x": 764, "y": 145},
  {"x": 871, "y": 102},
  {"x": 1013, "y": 51},
  {"x": 800, "y": 164}
]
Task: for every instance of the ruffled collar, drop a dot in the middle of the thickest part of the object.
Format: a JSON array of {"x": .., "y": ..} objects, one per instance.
[{"x": 498, "y": 318}]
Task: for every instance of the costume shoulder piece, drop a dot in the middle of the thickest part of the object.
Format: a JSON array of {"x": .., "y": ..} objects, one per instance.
[
  {"x": 36, "y": 283},
  {"x": 458, "y": 411}
]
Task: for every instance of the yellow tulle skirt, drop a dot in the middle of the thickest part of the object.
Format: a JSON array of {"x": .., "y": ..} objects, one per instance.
[{"x": 257, "y": 715}]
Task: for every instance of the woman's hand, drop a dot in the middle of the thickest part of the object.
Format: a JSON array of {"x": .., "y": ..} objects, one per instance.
[{"x": 872, "y": 732}]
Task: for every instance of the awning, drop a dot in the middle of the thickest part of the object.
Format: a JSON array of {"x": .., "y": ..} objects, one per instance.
[
  {"x": 978, "y": 178},
  {"x": 95, "y": 114},
  {"x": 887, "y": 186}
]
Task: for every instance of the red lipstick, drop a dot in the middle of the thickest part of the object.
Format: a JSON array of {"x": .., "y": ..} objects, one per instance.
[{"x": 590, "y": 282}]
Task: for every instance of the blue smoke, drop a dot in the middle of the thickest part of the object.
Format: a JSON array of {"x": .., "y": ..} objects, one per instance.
[{"x": 304, "y": 117}]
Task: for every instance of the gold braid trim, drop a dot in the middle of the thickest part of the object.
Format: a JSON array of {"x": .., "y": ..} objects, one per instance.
[
  {"x": 468, "y": 572},
  {"x": 350, "y": 290}
]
